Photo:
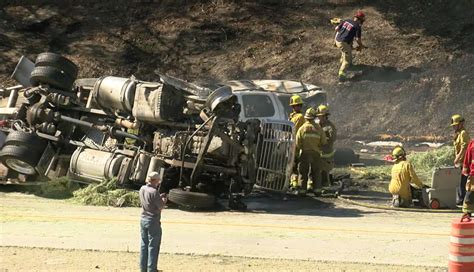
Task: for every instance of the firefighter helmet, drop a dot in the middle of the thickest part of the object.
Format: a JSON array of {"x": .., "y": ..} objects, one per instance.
[
  {"x": 310, "y": 114},
  {"x": 322, "y": 110},
  {"x": 360, "y": 15},
  {"x": 398, "y": 152},
  {"x": 296, "y": 100},
  {"x": 456, "y": 119}
]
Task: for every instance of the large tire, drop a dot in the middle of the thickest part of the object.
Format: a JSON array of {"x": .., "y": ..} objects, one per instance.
[
  {"x": 30, "y": 140},
  {"x": 57, "y": 61},
  {"x": 20, "y": 159},
  {"x": 52, "y": 76},
  {"x": 191, "y": 199}
]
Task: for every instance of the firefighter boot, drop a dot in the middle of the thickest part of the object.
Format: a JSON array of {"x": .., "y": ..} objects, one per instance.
[{"x": 294, "y": 181}]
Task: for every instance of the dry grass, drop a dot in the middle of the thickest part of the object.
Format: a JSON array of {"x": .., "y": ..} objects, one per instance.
[
  {"x": 424, "y": 163},
  {"x": 60, "y": 188},
  {"x": 106, "y": 193}
]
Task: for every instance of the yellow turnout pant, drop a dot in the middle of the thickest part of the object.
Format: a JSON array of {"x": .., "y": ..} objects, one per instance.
[
  {"x": 346, "y": 56},
  {"x": 310, "y": 161}
]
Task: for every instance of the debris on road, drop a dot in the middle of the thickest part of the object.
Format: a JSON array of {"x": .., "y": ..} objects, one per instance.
[{"x": 106, "y": 193}]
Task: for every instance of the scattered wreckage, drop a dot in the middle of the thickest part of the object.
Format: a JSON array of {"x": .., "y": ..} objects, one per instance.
[{"x": 205, "y": 143}]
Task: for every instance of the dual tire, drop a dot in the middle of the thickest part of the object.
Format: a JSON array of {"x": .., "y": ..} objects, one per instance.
[
  {"x": 22, "y": 151},
  {"x": 54, "y": 70}
]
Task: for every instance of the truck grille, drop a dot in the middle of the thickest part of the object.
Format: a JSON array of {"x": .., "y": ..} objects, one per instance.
[{"x": 275, "y": 152}]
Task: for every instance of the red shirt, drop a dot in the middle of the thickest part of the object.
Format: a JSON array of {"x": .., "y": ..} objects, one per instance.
[{"x": 468, "y": 165}]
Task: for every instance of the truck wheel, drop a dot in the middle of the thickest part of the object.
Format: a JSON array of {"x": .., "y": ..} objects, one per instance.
[
  {"x": 191, "y": 199},
  {"x": 57, "y": 61},
  {"x": 167, "y": 184},
  {"x": 30, "y": 140},
  {"x": 434, "y": 204},
  {"x": 20, "y": 159},
  {"x": 52, "y": 76}
]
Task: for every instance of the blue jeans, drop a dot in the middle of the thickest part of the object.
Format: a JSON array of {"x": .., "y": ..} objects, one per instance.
[{"x": 150, "y": 230}]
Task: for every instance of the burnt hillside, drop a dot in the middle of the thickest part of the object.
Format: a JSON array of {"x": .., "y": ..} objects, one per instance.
[{"x": 418, "y": 69}]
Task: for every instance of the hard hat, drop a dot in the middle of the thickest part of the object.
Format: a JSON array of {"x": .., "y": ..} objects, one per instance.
[
  {"x": 398, "y": 152},
  {"x": 359, "y": 14},
  {"x": 310, "y": 114},
  {"x": 296, "y": 100},
  {"x": 456, "y": 119},
  {"x": 322, "y": 110}
]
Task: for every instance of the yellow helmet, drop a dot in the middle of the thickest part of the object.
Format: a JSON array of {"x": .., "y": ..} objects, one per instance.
[
  {"x": 322, "y": 110},
  {"x": 398, "y": 152},
  {"x": 456, "y": 119},
  {"x": 310, "y": 114},
  {"x": 296, "y": 100}
]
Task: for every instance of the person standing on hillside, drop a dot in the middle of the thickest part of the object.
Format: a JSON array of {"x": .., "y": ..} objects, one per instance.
[
  {"x": 461, "y": 140},
  {"x": 309, "y": 139},
  {"x": 346, "y": 32},
  {"x": 152, "y": 203},
  {"x": 296, "y": 116},
  {"x": 403, "y": 174},
  {"x": 327, "y": 150},
  {"x": 468, "y": 171}
]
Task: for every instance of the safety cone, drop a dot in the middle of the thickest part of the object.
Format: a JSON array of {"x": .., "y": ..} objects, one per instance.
[{"x": 461, "y": 248}]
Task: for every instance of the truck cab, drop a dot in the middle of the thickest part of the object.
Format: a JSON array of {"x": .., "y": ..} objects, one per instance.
[{"x": 270, "y": 99}]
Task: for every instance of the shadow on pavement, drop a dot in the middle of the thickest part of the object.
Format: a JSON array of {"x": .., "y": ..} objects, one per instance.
[
  {"x": 273, "y": 203},
  {"x": 264, "y": 202}
]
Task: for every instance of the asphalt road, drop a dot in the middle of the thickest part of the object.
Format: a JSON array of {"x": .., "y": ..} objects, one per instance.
[{"x": 309, "y": 229}]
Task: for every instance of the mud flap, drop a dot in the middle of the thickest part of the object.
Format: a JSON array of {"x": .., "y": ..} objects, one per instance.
[
  {"x": 23, "y": 71},
  {"x": 46, "y": 161}
]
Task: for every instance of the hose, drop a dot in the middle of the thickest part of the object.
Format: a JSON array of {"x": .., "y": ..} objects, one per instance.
[{"x": 187, "y": 143}]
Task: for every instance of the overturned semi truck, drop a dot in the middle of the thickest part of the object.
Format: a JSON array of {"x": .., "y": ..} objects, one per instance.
[{"x": 204, "y": 143}]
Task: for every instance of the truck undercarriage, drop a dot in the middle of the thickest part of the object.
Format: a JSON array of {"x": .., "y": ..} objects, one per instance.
[{"x": 124, "y": 128}]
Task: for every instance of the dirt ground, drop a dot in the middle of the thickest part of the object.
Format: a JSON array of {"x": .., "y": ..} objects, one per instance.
[
  {"x": 417, "y": 69},
  {"x": 46, "y": 259},
  {"x": 298, "y": 234}
]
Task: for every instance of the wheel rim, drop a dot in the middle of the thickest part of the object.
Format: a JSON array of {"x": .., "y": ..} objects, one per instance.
[{"x": 20, "y": 166}]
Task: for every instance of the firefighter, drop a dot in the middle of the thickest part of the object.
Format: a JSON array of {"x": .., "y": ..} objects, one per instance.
[
  {"x": 309, "y": 139},
  {"x": 346, "y": 32},
  {"x": 468, "y": 170},
  {"x": 461, "y": 140},
  {"x": 403, "y": 174},
  {"x": 296, "y": 116},
  {"x": 327, "y": 150}
]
